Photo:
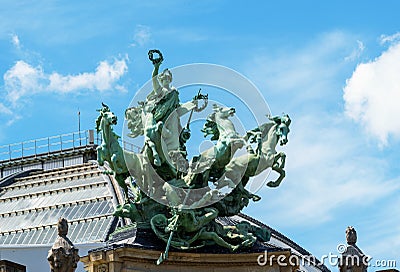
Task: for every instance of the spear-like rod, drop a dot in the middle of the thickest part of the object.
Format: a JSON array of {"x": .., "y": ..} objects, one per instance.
[{"x": 174, "y": 223}]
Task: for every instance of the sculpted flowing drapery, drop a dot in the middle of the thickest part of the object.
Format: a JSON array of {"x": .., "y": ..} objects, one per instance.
[{"x": 165, "y": 184}]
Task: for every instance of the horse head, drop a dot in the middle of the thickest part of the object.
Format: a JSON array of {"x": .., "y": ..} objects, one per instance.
[
  {"x": 110, "y": 118},
  {"x": 223, "y": 112},
  {"x": 282, "y": 127},
  {"x": 106, "y": 117},
  {"x": 211, "y": 125}
]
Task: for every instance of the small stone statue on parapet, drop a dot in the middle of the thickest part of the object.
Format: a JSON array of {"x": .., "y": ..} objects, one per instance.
[
  {"x": 63, "y": 256},
  {"x": 353, "y": 259}
]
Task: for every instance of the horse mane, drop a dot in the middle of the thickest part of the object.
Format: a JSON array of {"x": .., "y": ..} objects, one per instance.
[
  {"x": 211, "y": 128},
  {"x": 268, "y": 125},
  {"x": 105, "y": 108},
  {"x": 134, "y": 120},
  {"x": 98, "y": 121}
]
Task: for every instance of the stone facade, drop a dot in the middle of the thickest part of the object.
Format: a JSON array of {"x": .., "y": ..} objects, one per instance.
[{"x": 131, "y": 259}]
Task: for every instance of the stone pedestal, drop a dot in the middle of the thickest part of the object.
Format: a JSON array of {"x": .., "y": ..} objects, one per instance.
[{"x": 131, "y": 259}]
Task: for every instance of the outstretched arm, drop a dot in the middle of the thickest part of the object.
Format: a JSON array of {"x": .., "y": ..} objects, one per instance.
[
  {"x": 192, "y": 105},
  {"x": 156, "y": 84},
  {"x": 186, "y": 107}
]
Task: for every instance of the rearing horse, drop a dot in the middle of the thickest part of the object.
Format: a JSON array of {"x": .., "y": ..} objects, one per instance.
[
  {"x": 110, "y": 150},
  {"x": 268, "y": 135},
  {"x": 124, "y": 163},
  {"x": 223, "y": 130},
  {"x": 228, "y": 142}
]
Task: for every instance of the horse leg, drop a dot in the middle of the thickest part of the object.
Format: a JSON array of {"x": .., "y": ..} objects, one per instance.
[
  {"x": 100, "y": 157},
  {"x": 156, "y": 157},
  {"x": 113, "y": 164},
  {"x": 247, "y": 194},
  {"x": 279, "y": 160},
  {"x": 278, "y": 167},
  {"x": 121, "y": 182},
  {"x": 283, "y": 159},
  {"x": 277, "y": 182}
]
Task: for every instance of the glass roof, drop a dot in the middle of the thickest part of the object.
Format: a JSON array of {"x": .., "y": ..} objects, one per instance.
[
  {"x": 79, "y": 232},
  {"x": 30, "y": 208}
]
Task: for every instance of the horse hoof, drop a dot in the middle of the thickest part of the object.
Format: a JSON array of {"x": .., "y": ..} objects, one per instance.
[
  {"x": 272, "y": 184},
  {"x": 256, "y": 198},
  {"x": 235, "y": 248}
]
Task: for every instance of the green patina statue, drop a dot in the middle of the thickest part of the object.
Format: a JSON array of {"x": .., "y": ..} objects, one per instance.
[{"x": 178, "y": 199}]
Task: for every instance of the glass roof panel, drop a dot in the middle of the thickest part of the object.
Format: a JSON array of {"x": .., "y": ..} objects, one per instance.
[
  {"x": 22, "y": 237},
  {"x": 35, "y": 235},
  {"x": 92, "y": 207},
  {"x": 2, "y": 239},
  {"x": 73, "y": 234},
  {"x": 48, "y": 235},
  {"x": 83, "y": 236},
  {"x": 53, "y": 235},
  {"x": 92, "y": 235},
  {"x": 105, "y": 223},
  {"x": 15, "y": 237},
  {"x": 8, "y": 238},
  {"x": 42, "y": 235}
]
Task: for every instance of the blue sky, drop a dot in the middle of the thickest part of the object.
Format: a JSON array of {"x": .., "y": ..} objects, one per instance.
[{"x": 333, "y": 66}]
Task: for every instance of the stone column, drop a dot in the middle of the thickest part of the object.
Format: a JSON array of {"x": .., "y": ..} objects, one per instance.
[{"x": 63, "y": 256}]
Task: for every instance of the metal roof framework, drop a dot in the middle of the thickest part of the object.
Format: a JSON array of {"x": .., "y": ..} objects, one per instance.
[{"x": 30, "y": 206}]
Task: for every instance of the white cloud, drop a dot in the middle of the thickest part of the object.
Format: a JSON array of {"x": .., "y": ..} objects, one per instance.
[
  {"x": 21, "y": 80},
  {"x": 327, "y": 171},
  {"x": 4, "y": 109},
  {"x": 390, "y": 38},
  {"x": 14, "y": 118},
  {"x": 15, "y": 40},
  {"x": 356, "y": 53},
  {"x": 142, "y": 35},
  {"x": 24, "y": 80},
  {"x": 104, "y": 78},
  {"x": 372, "y": 95},
  {"x": 329, "y": 166}
]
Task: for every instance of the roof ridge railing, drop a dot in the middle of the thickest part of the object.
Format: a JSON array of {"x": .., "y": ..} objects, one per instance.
[
  {"x": 61, "y": 142},
  {"x": 124, "y": 144},
  {"x": 47, "y": 145}
]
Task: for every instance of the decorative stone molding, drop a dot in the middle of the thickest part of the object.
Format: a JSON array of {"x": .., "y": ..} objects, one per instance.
[
  {"x": 127, "y": 258},
  {"x": 101, "y": 268}
]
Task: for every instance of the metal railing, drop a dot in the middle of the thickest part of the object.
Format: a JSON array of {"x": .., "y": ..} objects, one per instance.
[
  {"x": 46, "y": 145},
  {"x": 130, "y": 147},
  {"x": 124, "y": 144}
]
